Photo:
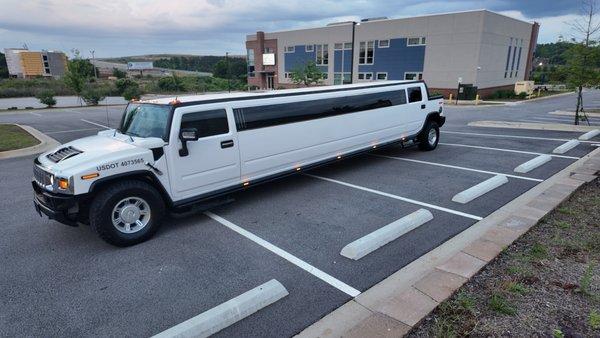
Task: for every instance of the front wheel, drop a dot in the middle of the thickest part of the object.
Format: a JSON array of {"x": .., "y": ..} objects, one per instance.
[
  {"x": 127, "y": 212},
  {"x": 429, "y": 137}
]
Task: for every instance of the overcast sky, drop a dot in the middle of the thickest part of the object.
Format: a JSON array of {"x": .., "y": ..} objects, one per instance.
[{"x": 212, "y": 27}]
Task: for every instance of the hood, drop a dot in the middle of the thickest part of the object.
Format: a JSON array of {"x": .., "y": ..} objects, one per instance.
[{"x": 90, "y": 151}]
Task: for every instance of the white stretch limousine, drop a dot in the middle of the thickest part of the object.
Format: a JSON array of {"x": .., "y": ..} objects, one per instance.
[{"x": 171, "y": 154}]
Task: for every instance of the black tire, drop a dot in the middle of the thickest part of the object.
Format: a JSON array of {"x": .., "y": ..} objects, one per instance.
[
  {"x": 425, "y": 142},
  {"x": 103, "y": 204}
]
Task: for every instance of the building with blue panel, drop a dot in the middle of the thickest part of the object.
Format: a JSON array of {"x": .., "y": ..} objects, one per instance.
[{"x": 483, "y": 48}]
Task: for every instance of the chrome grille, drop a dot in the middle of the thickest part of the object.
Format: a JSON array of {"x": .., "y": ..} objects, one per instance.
[
  {"x": 63, "y": 154},
  {"x": 41, "y": 176}
]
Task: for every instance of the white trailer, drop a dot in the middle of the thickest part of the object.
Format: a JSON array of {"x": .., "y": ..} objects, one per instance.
[{"x": 171, "y": 154}]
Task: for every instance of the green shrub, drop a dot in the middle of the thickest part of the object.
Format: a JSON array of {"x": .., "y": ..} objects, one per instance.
[
  {"x": 123, "y": 84},
  {"x": 171, "y": 84},
  {"x": 92, "y": 96},
  {"x": 119, "y": 74},
  {"x": 46, "y": 97},
  {"x": 132, "y": 93}
]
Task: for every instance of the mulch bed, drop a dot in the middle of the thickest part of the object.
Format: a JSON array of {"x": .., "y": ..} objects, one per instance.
[{"x": 546, "y": 284}]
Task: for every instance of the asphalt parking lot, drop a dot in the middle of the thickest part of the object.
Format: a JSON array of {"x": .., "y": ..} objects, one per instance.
[{"x": 63, "y": 281}]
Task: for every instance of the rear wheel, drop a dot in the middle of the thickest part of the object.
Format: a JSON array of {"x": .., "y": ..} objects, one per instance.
[
  {"x": 429, "y": 137},
  {"x": 127, "y": 212}
]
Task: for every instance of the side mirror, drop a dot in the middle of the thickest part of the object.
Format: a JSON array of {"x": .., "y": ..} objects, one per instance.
[{"x": 186, "y": 135}]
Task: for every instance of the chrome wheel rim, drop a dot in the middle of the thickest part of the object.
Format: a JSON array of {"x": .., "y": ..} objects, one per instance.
[
  {"x": 131, "y": 215},
  {"x": 432, "y": 136}
]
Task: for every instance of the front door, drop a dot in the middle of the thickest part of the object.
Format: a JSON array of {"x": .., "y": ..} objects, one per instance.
[
  {"x": 212, "y": 162},
  {"x": 270, "y": 82}
]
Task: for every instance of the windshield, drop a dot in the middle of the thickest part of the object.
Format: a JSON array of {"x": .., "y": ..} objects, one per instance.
[{"x": 145, "y": 120}]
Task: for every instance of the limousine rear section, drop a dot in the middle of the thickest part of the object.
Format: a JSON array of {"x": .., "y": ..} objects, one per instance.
[{"x": 170, "y": 155}]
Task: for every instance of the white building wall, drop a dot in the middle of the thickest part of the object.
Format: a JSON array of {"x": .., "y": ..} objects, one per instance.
[{"x": 13, "y": 61}]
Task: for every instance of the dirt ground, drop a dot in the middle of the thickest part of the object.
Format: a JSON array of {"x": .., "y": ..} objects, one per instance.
[{"x": 546, "y": 284}]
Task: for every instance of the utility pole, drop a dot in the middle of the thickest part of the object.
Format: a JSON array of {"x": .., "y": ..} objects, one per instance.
[
  {"x": 228, "y": 75},
  {"x": 94, "y": 63}
]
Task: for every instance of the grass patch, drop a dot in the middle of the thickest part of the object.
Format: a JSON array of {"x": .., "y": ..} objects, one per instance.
[
  {"x": 594, "y": 320},
  {"x": 538, "y": 251},
  {"x": 516, "y": 287},
  {"x": 585, "y": 284},
  {"x": 458, "y": 316},
  {"x": 14, "y": 137},
  {"x": 563, "y": 225},
  {"x": 566, "y": 211},
  {"x": 501, "y": 305}
]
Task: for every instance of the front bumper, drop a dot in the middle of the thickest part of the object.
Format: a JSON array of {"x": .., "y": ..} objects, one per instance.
[{"x": 61, "y": 208}]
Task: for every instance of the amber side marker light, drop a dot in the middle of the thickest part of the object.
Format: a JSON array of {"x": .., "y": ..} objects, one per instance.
[
  {"x": 246, "y": 184},
  {"x": 63, "y": 183},
  {"x": 89, "y": 176}
]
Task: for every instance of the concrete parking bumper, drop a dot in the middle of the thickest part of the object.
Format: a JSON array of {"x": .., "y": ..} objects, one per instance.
[{"x": 402, "y": 300}]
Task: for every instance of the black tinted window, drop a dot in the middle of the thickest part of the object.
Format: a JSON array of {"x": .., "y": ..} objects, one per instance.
[
  {"x": 272, "y": 115},
  {"x": 414, "y": 94},
  {"x": 208, "y": 123}
]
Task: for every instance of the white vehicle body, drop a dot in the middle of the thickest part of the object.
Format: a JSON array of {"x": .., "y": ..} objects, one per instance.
[{"x": 216, "y": 144}]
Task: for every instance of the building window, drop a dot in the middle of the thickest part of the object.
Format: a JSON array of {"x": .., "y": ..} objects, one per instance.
[
  {"x": 365, "y": 76},
  {"x": 382, "y": 76},
  {"x": 290, "y": 49},
  {"x": 384, "y": 43},
  {"x": 338, "y": 46},
  {"x": 416, "y": 41},
  {"x": 268, "y": 50},
  {"x": 325, "y": 76},
  {"x": 250, "y": 58},
  {"x": 366, "y": 53},
  {"x": 341, "y": 78},
  {"x": 287, "y": 75},
  {"x": 347, "y": 45},
  {"x": 322, "y": 56},
  {"x": 413, "y": 76},
  {"x": 309, "y": 48}
]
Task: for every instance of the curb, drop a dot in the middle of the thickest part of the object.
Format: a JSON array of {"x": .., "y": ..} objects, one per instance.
[
  {"x": 395, "y": 305},
  {"x": 534, "y": 126},
  {"x": 571, "y": 113},
  {"x": 49, "y": 110},
  {"x": 46, "y": 143}
]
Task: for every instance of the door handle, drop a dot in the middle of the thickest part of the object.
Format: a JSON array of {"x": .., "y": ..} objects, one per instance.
[
  {"x": 422, "y": 106},
  {"x": 227, "y": 144}
]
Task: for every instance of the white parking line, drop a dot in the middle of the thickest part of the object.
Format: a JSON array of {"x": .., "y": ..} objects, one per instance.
[
  {"x": 382, "y": 236},
  {"x": 507, "y": 150},
  {"x": 228, "y": 313},
  {"x": 457, "y": 167},
  {"x": 96, "y": 124},
  {"x": 508, "y": 136},
  {"x": 36, "y": 114},
  {"x": 400, "y": 198},
  {"x": 480, "y": 189},
  {"x": 336, "y": 283},
  {"x": 70, "y": 131}
]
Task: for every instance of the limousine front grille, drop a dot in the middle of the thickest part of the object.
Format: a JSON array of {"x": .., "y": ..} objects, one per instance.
[
  {"x": 63, "y": 154},
  {"x": 41, "y": 176}
]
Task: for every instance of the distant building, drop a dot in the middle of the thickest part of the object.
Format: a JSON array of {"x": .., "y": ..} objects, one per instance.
[
  {"x": 23, "y": 63},
  {"x": 483, "y": 48}
]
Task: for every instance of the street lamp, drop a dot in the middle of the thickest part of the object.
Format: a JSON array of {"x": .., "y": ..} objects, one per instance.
[{"x": 94, "y": 63}]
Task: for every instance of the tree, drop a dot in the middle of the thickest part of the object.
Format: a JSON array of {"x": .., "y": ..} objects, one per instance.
[
  {"x": 46, "y": 97},
  {"x": 79, "y": 71},
  {"x": 119, "y": 74},
  {"x": 307, "y": 74},
  {"x": 3, "y": 67},
  {"x": 123, "y": 84},
  {"x": 583, "y": 57},
  {"x": 220, "y": 69},
  {"x": 171, "y": 84}
]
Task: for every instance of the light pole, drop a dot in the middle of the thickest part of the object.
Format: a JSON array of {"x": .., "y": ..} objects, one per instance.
[
  {"x": 94, "y": 63},
  {"x": 228, "y": 77}
]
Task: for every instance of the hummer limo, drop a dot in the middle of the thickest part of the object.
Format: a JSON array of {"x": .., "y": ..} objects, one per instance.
[{"x": 169, "y": 155}]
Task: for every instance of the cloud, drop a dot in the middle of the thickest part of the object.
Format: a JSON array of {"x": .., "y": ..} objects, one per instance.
[
  {"x": 126, "y": 27},
  {"x": 551, "y": 27}
]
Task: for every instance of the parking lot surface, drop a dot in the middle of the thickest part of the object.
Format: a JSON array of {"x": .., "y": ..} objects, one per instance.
[{"x": 64, "y": 281}]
